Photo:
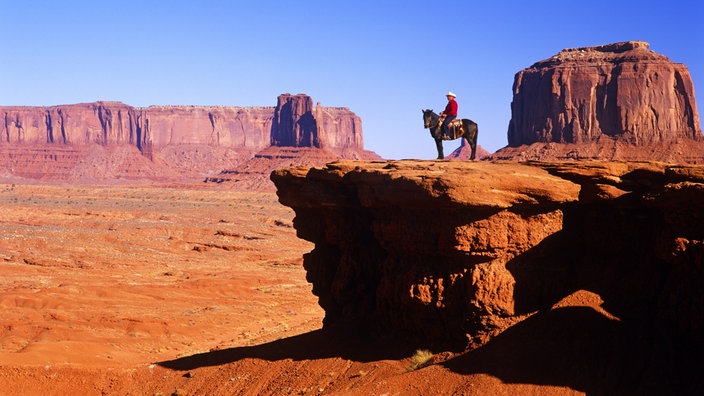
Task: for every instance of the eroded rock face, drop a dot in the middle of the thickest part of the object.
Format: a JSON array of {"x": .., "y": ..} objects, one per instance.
[
  {"x": 622, "y": 91},
  {"x": 297, "y": 123},
  {"x": 338, "y": 128},
  {"x": 294, "y": 124},
  {"x": 80, "y": 124},
  {"x": 458, "y": 252},
  {"x": 182, "y": 140},
  {"x": 217, "y": 126}
]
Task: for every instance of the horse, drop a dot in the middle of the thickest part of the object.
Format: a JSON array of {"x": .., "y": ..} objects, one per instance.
[{"x": 459, "y": 128}]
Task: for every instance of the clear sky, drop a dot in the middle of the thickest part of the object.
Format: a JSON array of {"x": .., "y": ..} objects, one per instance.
[{"x": 385, "y": 60}]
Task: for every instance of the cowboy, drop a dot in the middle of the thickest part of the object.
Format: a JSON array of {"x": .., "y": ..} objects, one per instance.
[{"x": 450, "y": 113}]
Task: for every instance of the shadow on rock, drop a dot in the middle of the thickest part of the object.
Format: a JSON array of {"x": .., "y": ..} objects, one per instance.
[
  {"x": 580, "y": 348},
  {"x": 333, "y": 341}
]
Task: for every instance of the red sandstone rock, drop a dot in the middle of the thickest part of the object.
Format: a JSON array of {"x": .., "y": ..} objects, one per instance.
[
  {"x": 253, "y": 174},
  {"x": 80, "y": 124},
  {"x": 217, "y": 126},
  {"x": 679, "y": 151},
  {"x": 298, "y": 124},
  {"x": 294, "y": 124},
  {"x": 338, "y": 128},
  {"x": 621, "y": 91},
  {"x": 149, "y": 129},
  {"x": 417, "y": 246},
  {"x": 448, "y": 250},
  {"x": 183, "y": 142},
  {"x": 464, "y": 153}
]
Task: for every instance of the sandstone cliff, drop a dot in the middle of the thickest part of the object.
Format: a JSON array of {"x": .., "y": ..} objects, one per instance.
[
  {"x": 182, "y": 141},
  {"x": 100, "y": 123},
  {"x": 461, "y": 251},
  {"x": 294, "y": 122},
  {"x": 297, "y": 123},
  {"x": 595, "y": 96}
]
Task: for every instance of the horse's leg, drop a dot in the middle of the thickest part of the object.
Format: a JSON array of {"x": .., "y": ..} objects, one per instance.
[
  {"x": 470, "y": 137},
  {"x": 473, "y": 146},
  {"x": 438, "y": 144},
  {"x": 475, "y": 135},
  {"x": 437, "y": 136}
]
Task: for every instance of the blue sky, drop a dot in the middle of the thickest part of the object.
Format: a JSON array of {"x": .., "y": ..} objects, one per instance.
[{"x": 385, "y": 60}]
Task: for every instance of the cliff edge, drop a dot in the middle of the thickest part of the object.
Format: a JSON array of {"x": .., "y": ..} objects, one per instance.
[{"x": 461, "y": 252}]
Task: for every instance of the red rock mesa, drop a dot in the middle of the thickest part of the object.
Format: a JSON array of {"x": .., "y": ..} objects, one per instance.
[
  {"x": 615, "y": 101},
  {"x": 103, "y": 140}
]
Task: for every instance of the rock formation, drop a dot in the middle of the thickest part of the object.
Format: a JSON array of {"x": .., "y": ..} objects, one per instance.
[
  {"x": 619, "y": 92},
  {"x": 464, "y": 153},
  {"x": 298, "y": 124},
  {"x": 218, "y": 126},
  {"x": 182, "y": 141},
  {"x": 81, "y": 124},
  {"x": 294, "y": 124},
  {"x": 460, "y": 251},
  {"x": 253, "y": 174}
]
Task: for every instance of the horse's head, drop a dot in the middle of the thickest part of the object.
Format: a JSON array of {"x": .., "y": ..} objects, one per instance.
[{"x": 429, "y": 118}]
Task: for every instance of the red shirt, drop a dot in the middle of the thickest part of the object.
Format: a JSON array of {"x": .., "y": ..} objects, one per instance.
[{"x": 451, "y": 108}]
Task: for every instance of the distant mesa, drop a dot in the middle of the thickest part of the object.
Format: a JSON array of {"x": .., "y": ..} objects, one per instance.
[
  {"x": 112, "y": 140},
  {"x": 297, "y": 123},
  {"x": 618, "y": 101}
]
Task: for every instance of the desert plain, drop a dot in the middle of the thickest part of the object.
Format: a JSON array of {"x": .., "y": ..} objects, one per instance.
[
  {"x": 183, "y": 289},
  {"x": 98, "y": 279}
]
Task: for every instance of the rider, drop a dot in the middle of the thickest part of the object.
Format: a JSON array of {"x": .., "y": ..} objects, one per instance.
[{"x": 450, "y": 113}]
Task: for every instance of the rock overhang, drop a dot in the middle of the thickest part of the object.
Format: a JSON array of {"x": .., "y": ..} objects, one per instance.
[{"x": 449, "y": 250}]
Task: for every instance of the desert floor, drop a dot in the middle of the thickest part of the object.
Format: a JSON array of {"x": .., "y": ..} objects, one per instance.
[{"x": 193, "y": 290}]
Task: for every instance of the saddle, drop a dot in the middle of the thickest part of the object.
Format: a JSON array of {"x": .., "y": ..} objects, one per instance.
[{"x": 455, "y": 127}]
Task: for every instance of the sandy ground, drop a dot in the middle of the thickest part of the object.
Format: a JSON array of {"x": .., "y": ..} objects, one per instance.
[
  {"x": 200, "y": 290},
  {"x": 119, "y": 277}
]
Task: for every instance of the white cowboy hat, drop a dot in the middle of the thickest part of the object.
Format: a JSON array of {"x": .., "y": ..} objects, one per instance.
[{"x": 449, "y": 93}]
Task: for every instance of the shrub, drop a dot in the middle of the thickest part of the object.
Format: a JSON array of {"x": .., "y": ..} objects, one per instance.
[{"x": 422, "y": 358}]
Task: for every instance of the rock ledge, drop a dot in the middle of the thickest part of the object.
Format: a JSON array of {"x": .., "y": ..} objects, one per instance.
[{"x": 459, "y": 251}]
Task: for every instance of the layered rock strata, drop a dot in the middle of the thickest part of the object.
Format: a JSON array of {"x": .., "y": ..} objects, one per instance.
[
  {"x": 460, "y": 251},
  {"x": 186, "y": 140},
  {"x": 293, "y": 122},
  {"x": 297, "y": 123},
  {"x": 621, "y": 91}
]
